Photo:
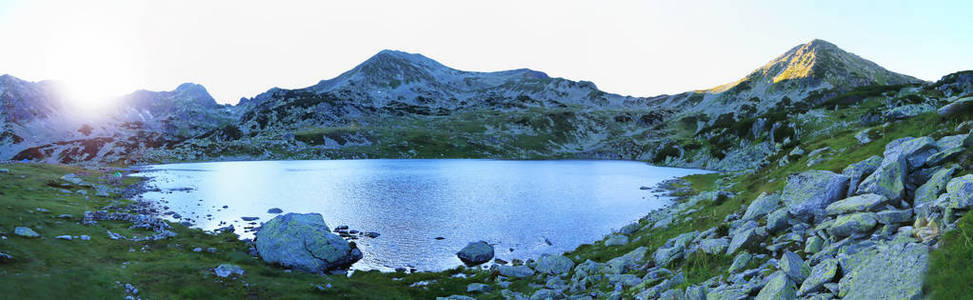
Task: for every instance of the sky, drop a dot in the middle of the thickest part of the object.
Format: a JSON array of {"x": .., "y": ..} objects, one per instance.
[{"x": 640, "y": 48}]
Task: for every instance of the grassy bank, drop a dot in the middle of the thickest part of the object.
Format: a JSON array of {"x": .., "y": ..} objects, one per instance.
[{"x": 49, "y": 268}]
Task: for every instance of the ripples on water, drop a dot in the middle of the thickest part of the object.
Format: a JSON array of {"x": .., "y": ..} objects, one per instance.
[{"x": 512, "y": 204}]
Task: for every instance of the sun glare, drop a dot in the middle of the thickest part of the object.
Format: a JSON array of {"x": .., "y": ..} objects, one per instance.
[{"x": 95, "y": 63}]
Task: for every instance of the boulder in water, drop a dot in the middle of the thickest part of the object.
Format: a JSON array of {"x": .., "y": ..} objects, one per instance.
[{"x": 475, "y": 253}]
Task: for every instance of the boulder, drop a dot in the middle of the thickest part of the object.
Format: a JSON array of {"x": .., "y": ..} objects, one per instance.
[
  {"x": 907, "y": 111},
  {"x": 777, "y": 220},
  {"x": 304, "y": 242},
  {"x": 554, "y": 264},
  {"x": 630, "y": 228},
  {"x": 960, "y": 192},
  {"x": 958, "y": 107},
  {"x": 475, "y": 253},
  {"x": 739, "y": 262},
  {"x": 807, "y": 193},
  {"x": 672, "y": 294},
  {"x": 847, "y": 225},
  {"x": 822, "y": 273},
  {"x": 626, "y": 262},
  {"x": 863, "y": 136},
  {"x": 616, "y": 240},
  {"x": 792, "y": 265},
  {"x": 813, "y": 244},
  {"x": 745, "y": 239},
  {"x": 942, "y": 156},
  {"x": 891, "y": 270},
  {"x": 863, "y": 202},
  {"x": 927, "y": 193},
  {"x": 958, "y": 141},
  {"x": 520, "y": 271},
  {"x": 914, "y": 150},
  {"x": 763, "y": 205},
  {"x": 713, "y": 246},
  {"x": 778, "y": 287},
  {"x": 888, "y": 180},
  {"x": 673, "y": 249},
  {"x": 695, "y": 292},
  {"x": 857, "y": 171},
  {"x": 894, "y": 216}
]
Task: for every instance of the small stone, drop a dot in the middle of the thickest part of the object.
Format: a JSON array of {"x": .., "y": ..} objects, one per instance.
[
  {"x": 25, "y": 232},
  {"x": 226, "y": 270},
  {"x": 478, "y": 288},
  {"x": 515, "y": 271},
  {"x": 739, "y": 262},
  {"x": 85, "y": 237},
  {"x": 63, "y": 237},
  {"x": 197, "y": 249},
  {"x": 792, "y": 265},
  {"x": 813, "y": 244},
  {"x": 554, "y": 264}
]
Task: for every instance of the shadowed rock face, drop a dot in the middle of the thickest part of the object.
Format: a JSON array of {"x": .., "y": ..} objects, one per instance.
[{"x": 304, "y": 242}]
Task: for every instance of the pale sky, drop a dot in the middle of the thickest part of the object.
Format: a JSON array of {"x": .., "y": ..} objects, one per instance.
[{"x": 640, "y": 48}]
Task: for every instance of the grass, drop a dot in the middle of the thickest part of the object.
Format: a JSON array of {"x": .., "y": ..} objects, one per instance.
[{"x": 951, "y": 266}]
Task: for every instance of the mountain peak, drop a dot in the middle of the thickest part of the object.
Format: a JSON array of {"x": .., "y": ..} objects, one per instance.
[{"x": 821, "y": 63}]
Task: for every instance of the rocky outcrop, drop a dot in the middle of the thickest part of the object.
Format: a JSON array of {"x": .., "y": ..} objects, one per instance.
[{"x": 304, "y": 242}]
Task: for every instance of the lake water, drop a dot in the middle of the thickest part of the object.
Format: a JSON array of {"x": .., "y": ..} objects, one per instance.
[{"x": 516, "y": 205}]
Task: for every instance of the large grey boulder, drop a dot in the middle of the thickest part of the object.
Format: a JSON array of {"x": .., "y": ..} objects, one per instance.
[
  {"x": 475, "y": 253},
  {"x": 740, "y": 262},
  {"x": 779, "y": 287},
  {"x": 763, "y": 205},
  {"x": 864, "y": 202},
  {"x": 304, "y": 242},
  {"x": 847, "y": 225},
  {"x": 888, "y": 180},
  {"x": 886, "y": 271},
  {"x": 914, "y": 150},
  {"x": 822, "y": 273},
  {"x": 927, "y": 193},
  {"x": 857, "y": 171},
  {"x": 626, "y": 262},
  {"x": 745, "y": 239},
  {"x": 960, "y": 106},
  {"x": 554, "y": 264},
  {"x": 960, "y": 192},
  {"x": 806, "y": 194}
]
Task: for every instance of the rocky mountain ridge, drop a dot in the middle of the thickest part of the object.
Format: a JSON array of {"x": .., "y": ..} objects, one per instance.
[{"x": 401, "y": 105}]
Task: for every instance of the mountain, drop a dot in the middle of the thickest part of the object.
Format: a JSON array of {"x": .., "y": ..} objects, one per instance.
[
  {"x": 403, "y": 105},
  {"x": 39, "y": 125},
  {"x": 805, "y": 72}
]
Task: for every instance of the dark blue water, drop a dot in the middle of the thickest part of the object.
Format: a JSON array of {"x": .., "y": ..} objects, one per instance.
[{"x": 513, "y": 204}]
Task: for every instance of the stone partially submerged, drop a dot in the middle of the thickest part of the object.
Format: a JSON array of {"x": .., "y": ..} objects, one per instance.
[
  {"x": 475, "y": 253},
  {"x": 304, "y": 242}
]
